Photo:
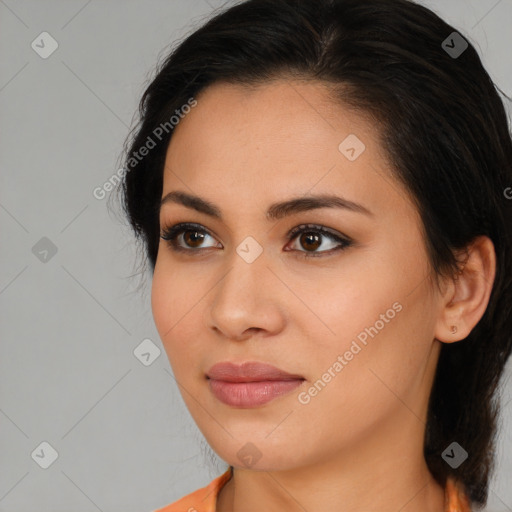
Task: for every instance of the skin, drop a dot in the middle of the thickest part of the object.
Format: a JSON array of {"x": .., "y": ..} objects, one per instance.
[{"x": 358, "y": 444}]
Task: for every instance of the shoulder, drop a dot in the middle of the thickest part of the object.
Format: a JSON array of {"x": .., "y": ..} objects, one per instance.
[
  {"x": 456, "y": 499},
  {"x": 202, "y": 500},
  {"x": 205, "y": 499}
]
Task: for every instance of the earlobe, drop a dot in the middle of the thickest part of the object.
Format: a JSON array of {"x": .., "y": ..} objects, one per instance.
[{"x": 465, "y": 300}]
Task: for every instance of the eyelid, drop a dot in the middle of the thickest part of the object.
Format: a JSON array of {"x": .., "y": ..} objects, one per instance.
[
  {"x": 169, "y": 234},
  {"x": 316, "y": 227},
  {"x": 342, "y": 240}
]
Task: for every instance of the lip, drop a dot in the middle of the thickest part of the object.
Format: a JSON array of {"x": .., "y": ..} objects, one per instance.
[
  {"x": 250, "y": 371},
  {"x": 250, "y": 384}
]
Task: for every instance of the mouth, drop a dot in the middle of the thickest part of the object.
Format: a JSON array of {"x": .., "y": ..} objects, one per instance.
[{"x": 250, "y": 384}]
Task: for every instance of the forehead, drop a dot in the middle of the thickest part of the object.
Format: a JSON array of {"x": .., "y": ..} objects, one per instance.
[
  {"x": 281, "y": 138},
  {"x": 294, "y": 111},
  {"x": 280, "y": 121}
]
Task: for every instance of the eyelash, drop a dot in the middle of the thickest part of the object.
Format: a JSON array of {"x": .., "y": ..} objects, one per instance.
[{"x": 170, "y": 234}]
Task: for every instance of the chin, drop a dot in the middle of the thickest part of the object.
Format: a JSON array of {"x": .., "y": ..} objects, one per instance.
[{"x": 256, "y": 456}]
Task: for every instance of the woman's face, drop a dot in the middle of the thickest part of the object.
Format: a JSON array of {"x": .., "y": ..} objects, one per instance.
[{"x": 355, "y": 322}]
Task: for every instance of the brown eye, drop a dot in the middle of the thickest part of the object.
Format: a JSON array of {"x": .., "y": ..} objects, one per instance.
[
  {"x": 189, "y": 238},
  {"x": 310, "y": 241},
  {"x": 186, "y": 237},
  {"x": 193, "y": 238},
  {"x": 312, "y": 238}
]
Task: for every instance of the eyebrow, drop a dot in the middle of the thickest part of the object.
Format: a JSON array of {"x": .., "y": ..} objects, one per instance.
[{"x": 276, "y": 211}]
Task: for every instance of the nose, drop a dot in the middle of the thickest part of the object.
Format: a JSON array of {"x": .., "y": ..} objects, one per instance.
[{"x": 248, "y": 299}]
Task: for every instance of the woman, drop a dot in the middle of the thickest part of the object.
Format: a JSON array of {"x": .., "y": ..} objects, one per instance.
[{"x": 320, "y": 188}]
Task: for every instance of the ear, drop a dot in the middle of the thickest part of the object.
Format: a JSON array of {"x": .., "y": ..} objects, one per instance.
[{"x": 466, "y": 295}]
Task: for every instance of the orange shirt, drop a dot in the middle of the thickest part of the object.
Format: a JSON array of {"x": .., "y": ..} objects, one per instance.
[{"x": 204, "y": 499}]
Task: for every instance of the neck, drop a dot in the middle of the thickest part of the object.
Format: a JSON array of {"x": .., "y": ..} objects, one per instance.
[{"x": 386, "y": 472}]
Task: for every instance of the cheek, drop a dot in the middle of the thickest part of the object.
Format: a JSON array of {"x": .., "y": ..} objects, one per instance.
[
  {"x": 176, "y": 305},
  {"x": 376, "y": 368},
  {"x": 172, "y": 298},
  {"x": 161, "y": 299},
  {"x": 172, "y": 306},
  {"x": 383, "y": 332}
]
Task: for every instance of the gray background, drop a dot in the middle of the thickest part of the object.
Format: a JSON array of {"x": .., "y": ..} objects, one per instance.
[{"x": 70, "y": 324}]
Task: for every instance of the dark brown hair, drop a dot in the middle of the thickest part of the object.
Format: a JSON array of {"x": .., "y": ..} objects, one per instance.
[{"x": 444, "y": 128}]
